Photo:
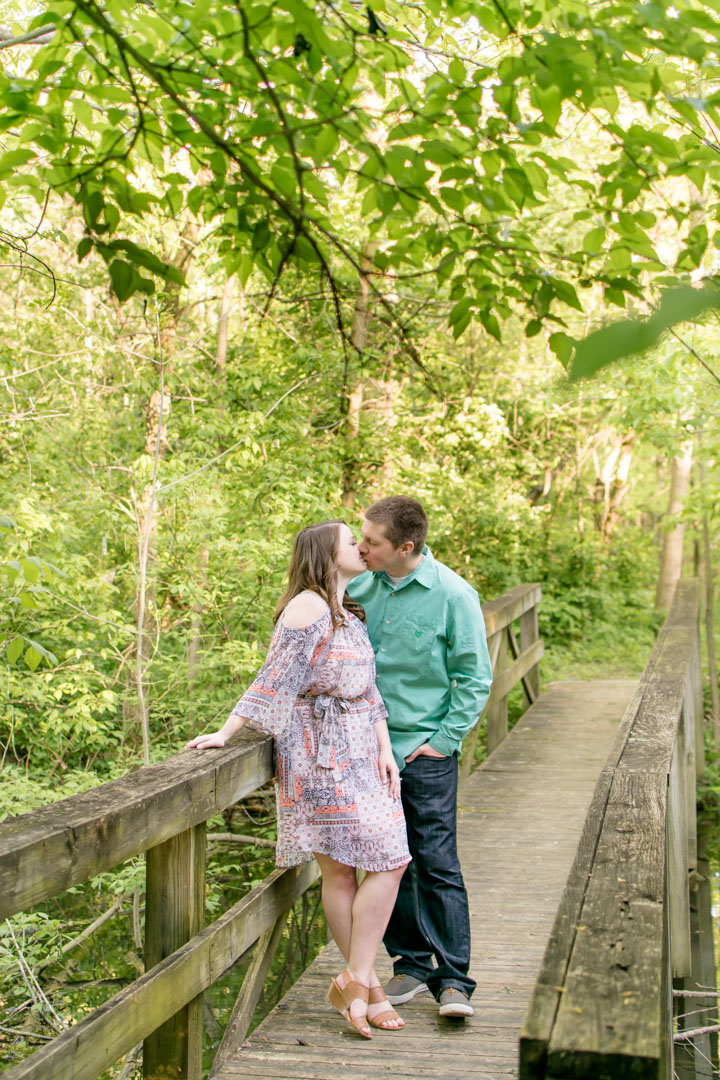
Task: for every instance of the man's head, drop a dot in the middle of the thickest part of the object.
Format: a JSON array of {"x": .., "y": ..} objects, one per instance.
[{"x": 393, "y": 535}]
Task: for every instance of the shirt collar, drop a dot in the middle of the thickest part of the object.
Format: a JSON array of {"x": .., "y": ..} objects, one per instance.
[{"x": 424, "y": 573}]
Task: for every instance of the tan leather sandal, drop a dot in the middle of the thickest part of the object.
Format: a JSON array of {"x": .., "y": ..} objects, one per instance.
[
  {"x": 341, "y": 998},
  {"x": 376, "y": 994}
]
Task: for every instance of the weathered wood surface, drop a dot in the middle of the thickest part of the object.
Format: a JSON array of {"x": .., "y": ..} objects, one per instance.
[
  {"x": 520, "y": 819},
  {"x": 250, "y": 992},
  {"x": 510, "y": 676},
  {"x": 49, "y": 850},
  {"x": 85, "y": 1050},
  {"x": 174, "y": 914},
  {"x": 520, "y": 604},
  {"x": 510, "y": 606},
  {"x": 601, "y": 1007}
]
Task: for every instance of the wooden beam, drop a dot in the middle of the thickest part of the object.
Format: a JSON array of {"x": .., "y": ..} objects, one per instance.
[
  {"x": 529, "y": 634},
  {"x": 92, "y": 1045},
  {"x": 540, "y": 1017},
  {"x": 678, "y": 897},
  {"x": 501, "y": 612},
  {"x": 531, "y": 694},
  {"x": 497, "y": 710},
  {"x": 602, "y": 1004},
  {"x": 252, "y": 988},
  {"x": 49, "y": 850},
  {"x": 507, "y": 677},
  {"x": 175, "y": 913}
]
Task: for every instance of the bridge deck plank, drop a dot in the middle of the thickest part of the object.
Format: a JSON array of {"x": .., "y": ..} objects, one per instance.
[{"x": 520, "y": 819}]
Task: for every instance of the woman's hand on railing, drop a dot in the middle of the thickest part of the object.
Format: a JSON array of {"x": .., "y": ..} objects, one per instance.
[{"x": 218, "y": 738}]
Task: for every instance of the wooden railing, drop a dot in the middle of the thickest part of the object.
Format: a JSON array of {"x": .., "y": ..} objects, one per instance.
[
  {"x": 513, "y": 662},
  {"x": 162, "y": 810},
  {"x": 603, "y": 1003}
]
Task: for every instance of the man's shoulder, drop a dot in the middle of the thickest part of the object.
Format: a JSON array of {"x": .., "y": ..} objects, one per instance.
[
  {"x": 453, "y": 584},
  {"x": 363, "y": 585}
]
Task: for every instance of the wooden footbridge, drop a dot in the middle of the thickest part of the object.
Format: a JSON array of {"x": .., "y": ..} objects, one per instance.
[{"x": 589, "y": 898}]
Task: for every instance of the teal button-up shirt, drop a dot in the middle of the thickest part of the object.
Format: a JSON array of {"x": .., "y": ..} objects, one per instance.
[{"x": 431, "y": 655}]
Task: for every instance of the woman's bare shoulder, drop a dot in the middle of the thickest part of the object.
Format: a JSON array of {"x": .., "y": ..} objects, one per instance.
[{"x": 303, "y": 610}]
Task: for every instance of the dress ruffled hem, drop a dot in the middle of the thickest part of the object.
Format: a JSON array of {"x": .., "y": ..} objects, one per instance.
[{"x": 284, "y": 860}]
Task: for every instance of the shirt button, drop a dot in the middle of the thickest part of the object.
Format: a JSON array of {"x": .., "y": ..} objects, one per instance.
[
  {"x": 387, "y": 621},
  {"x": 382, "y": 650}
]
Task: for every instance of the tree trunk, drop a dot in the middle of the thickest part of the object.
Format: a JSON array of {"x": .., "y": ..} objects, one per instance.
[
  {"x": 157, "y": 410},
  {"x": 354, "y": 399},
  {"x": 671, "y": 553},
  {"x": 611, "y": 485},
  {"x": 222, "y": 342},
  {"x": 196, "y": 628}
]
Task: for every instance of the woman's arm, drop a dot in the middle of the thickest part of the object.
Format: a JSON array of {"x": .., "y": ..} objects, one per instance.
[
  {"x": 389, "y": 772},
  {"x": 268, "y": 702},
  {"x": 218, "y": 738}
]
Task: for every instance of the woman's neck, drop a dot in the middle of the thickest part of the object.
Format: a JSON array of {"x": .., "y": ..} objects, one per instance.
[{"x": 341, "y": 587}]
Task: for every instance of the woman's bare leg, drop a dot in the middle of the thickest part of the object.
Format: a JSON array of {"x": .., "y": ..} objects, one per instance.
[{"x": 357, "y": 916}]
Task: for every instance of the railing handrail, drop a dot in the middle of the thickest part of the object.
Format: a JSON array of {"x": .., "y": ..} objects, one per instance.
[
  {"x": 47, "y": 851},
  {"x": 603, "y": 996},
  {"x": 162, "y": 810}
]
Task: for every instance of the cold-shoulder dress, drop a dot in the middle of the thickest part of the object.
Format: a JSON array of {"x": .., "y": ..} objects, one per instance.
[{"x": 316, "y": 695}]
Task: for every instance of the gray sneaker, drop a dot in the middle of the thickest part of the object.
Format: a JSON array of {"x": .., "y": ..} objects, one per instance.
[
  {"x": 402, "y": 988},
  {"x": 453, "y": 1002}
]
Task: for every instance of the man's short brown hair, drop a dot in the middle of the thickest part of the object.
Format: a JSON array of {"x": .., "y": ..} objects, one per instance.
[{"x": 403, "y": 518}]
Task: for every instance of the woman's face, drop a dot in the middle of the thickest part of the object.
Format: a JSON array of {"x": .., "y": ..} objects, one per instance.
[{"x": 348, "y": 560}]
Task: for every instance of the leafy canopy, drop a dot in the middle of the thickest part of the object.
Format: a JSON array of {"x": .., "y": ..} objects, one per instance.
[{"x": 447, "y": 120}]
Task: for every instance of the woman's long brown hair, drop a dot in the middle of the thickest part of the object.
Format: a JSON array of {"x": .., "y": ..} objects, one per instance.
[{"x": 312, "y": 567}]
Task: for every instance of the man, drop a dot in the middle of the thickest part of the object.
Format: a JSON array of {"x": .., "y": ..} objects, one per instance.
[{"x": 434, "y": 673}]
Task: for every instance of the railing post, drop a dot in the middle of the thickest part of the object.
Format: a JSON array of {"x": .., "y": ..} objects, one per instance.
[
  {"x": 497, "y": 713},
  {"x": 678, "y": 897},
  {"x": 529, "y": 634},
  {"x": 175, "y": 912}
]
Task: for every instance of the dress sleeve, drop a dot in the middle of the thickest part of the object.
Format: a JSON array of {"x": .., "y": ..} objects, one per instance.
[
  {"x": 376, "y": 703},
  {"x": 287, "y": 671}
]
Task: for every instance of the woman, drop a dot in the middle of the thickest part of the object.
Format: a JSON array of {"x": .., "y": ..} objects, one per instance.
[{"x": 338, "y": 786}]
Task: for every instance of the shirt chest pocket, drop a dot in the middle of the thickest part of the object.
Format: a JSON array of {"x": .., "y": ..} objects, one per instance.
[{"x": 417, "y": 634}]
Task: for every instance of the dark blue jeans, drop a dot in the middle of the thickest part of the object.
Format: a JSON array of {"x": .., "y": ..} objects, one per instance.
[{"x": 431, "y": 917}]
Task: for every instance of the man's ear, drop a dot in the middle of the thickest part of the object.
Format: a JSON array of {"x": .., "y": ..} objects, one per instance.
[{"x": 407, "y": 549}]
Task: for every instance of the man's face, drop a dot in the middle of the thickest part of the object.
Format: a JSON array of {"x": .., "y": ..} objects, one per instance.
[{"x": 375, "y": 548}]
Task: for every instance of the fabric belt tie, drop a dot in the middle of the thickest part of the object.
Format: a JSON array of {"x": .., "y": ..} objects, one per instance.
[{"x": 333, "y": 745}]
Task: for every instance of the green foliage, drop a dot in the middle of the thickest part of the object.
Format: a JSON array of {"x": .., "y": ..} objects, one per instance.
[
  {"x": 630, "y": 336},
  {"x": 252, "y": 120},
  {"x": 22, "y": 593}
]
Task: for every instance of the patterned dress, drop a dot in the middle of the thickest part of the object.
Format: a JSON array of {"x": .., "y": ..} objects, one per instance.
[{"x": 316, "y": 694}]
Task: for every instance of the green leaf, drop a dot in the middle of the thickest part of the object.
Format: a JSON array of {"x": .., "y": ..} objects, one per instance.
[
  {"x": 593, "y": 240},
  {"x": 630, "y": 336},
  {"x": 32, "y": 657},
  {"x": 84, "y": 247},
  {"x": 42, "y": 651},
  {"x": 491, "y": 324},
  {"x": 13, "y": 650},
  {"x": 122, "y": 276},
  {"x": 32, "y": 569},
  {"x": 456, "y": 71},
  {"x": 459, "y": 311},
  {"x": 562, "y": 346},
  {"x": 6, "y": 523}
]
